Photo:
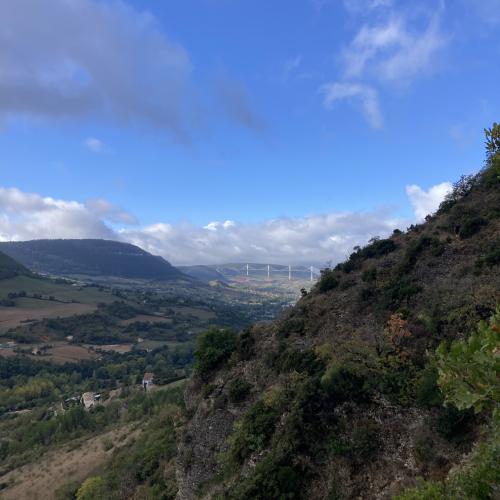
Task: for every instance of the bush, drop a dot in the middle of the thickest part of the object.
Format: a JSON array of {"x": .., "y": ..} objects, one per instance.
[
  {"x": 300, "y": 361},
  {"x": 427, "y": 393},
  {"x": 471, "y": 226},
  {"x": 468, "y": 370},
  {"x": 271, "y": 478},
  {"x": 213, "y": 347},
  {"x": 328, "y": 281},
  {"x": 291, "y": 325},
  {"x": 376, "y": 248},
  {"x": 238, "y": 390},
  {"x": 255, "y": 430},
  {"x": 344, "y": 383},
  {"x": 245, "y": 345},
  {"x": 370, "y": 275}
]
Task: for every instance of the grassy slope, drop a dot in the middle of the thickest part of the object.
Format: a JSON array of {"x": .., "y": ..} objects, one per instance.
[{"x": 9, "y": 268}]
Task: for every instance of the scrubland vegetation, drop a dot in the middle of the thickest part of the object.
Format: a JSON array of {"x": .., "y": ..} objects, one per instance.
[{"x": 381, "y": 382}]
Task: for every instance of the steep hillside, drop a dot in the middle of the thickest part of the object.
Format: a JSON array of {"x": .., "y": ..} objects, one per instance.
[
  {"x": 338, "y": 399},
  {"x": 9, "y": 268},
  {"x": 90, "y": 257}
]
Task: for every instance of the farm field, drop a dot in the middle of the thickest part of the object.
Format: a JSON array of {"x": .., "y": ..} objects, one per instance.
[{"x": 32, "y": 309}]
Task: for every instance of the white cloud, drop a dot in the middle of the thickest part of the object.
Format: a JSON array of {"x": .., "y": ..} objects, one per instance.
[
  {"x": 93, "y": 144},
  {"x": 26, "y": 216},
  {"x": 427, "y": 202},
  {"x": 367, "y": 96},
  {"x": 312, "y": 239}
]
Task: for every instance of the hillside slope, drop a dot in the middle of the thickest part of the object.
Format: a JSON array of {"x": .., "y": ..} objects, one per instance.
[
  {"x": 9, "y": 268},
  {"x": 90, "y": 257},
  {"x": 337, "y": 399},
  {"x": 203, "y": 273}
]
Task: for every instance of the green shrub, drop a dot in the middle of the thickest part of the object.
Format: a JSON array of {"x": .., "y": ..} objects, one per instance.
[
  {"x": 300, "y": 361},
  {"x": 213, "y": 347},
  {"x": 427, "y": 393},
  {"x": 255, "y": 430},
  {"x": 345, "y": 382},
  {"x": 239, "y": 389},
  {"x": 245, "y": 345},
  {"x": 272, "y": 478},
  {"x": 377, "y": 248},
  {"x": 399, "y": 290},
  {"x": 370, "y": 275},
  {"x": 491, "y": 257},
  {"x": 471, "y": 226},
  {"x": 291, "y": 325},
  {"x": 468, "y": 370},
  {"x": 327, "y": 281}
]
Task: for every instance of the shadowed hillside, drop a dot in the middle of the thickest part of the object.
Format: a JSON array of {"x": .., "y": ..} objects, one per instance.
[
  {"x": 340, "y": 397},
  {"x": 90, "y": 257},
  {"x": 9, "y": 268}
]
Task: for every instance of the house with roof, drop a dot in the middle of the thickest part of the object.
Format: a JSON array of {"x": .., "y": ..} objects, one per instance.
[
  {"x": 88, "y": 400},
  {"x": 148, "y": 380}
]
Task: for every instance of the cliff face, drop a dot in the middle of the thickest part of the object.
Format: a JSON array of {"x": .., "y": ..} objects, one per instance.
[{"x": 337, "y": 399}]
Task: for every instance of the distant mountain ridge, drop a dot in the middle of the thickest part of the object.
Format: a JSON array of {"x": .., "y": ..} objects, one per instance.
[
  {"x": 10, "y": 268},
  {"x": 90, "y": 257},
  {"x": 203, "y": 273}
]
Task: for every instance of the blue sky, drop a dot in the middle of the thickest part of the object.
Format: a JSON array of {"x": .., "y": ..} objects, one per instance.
[{"x": 158, "y": 121}]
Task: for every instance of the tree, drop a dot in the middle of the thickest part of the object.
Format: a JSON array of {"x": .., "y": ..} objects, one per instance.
[
  {"x": 469, "y": 369},
  {"x": 212, "y": 348},
  {"x": 492, "y": 141},
  {"x": 92, "y": 488}
]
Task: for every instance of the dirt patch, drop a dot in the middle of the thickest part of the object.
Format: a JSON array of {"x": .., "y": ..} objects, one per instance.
[
  {"x": 69, "y": 353},
  {"x": 40, "y": 480}
]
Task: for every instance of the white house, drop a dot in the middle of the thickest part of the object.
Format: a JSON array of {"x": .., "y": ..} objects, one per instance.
[{"x": 147, "y": 380}]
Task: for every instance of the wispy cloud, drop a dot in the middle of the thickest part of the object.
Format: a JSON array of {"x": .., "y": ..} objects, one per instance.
[
  {"x": 291, "y": 66},
  {"x": 393, "y": 48},
  {"x": 366, "y": 95},
  {"x": 93, "y": 144},
  {"x": 392, "y": 51}
]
